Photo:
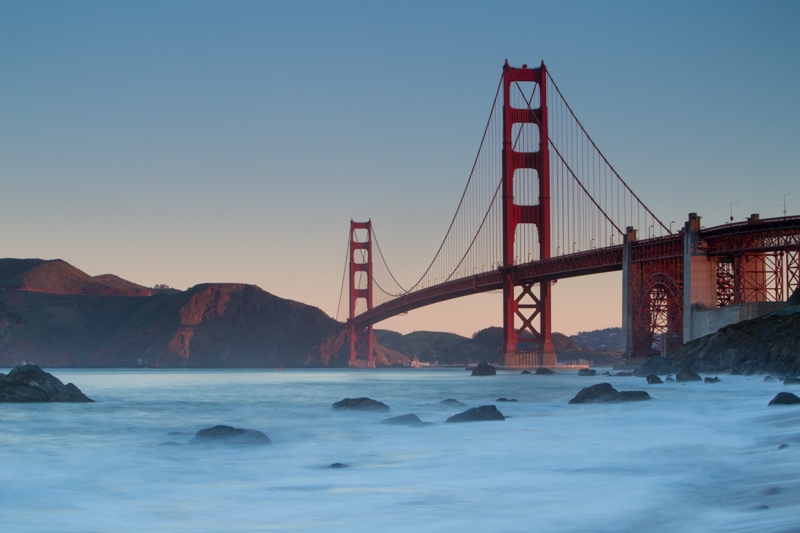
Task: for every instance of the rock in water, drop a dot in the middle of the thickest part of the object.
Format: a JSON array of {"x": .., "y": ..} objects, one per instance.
[
  {"x": 587, "y": 372},
  {"x": 687, "y": 374},
  {"x": 525, "y": 372},
  {"x": 542, "y": 371},
  {"x": 478, "y": 414},
  {"x": 604, "y": 392},
  {"x": 715, "y": 379},
  {"x": 230, "y": 435},
  {"x": 404, "y": 420},
  {"x": 652, "y": 379},
  {"x": 361, "y": 404},
  {"x": 484, "y": 369},
  {"x": 453, "y": 401},
  {"x": 29, "y": 383},
  {"x": 785, "y": 398}
]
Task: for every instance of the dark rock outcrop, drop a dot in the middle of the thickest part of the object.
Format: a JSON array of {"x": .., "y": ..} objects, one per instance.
[
  {"x": 542, "y": 371},
  {"x": 506, "y": 399},
  {"x": 587, "y": 372},
  {"x": 29, "y": 383},
  {"x": 404, "y": 420},
  {"x": 524, "y": 372},
  {"x": 791, "y": 380},
  {"x": 478, "y": 414},
  {"x": 624, "y": 374},
  {"x": 604, "y": 392},
  {"x": 764, "y": 345},
  {"x": 652, "y": 379},
  {"x": 452, "y": 401},
  {"x": 715, "y": 379},
  {"x": 687, "y": 374},
  {"x": 230, "y": 435},
  {"x": 785, "y": 398},
  {"x": 361, "y": 404},
  {"x": 484, "y": 369}
]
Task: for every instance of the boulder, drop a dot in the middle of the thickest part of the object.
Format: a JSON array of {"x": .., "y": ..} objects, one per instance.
[
  {"x": 542, "y": 371},
  {"x": 604, "y": 392},
  {"x": 624, "y": 374},
  {"x": 453, "y": 401},
  {"x": 484, "y": 369},
  {"x": 715, "y": 379},
  {"x": 525, "y": 372},
  {"x": 791, "y": 380},
  {"x": 652, "y": 379},
  {"x": 669, "y": 379},
  {"x": 230, "y": 435},
  {"x": 587, "y": 372},
  {"x": 404, "y": 420},
  {"x": 478, "y": 414},
  {"x": 506, "y": 400},
  {"x": 785, "y": 398},
  {"x": 29, "y": 383},
  {"x": 337, "y": 465},
  {"x": 687, "y": 374},
  {"x": 361, "y": 404}
]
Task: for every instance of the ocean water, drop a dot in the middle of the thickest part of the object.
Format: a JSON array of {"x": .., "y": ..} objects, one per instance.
[{"x": 697, "y": 457}]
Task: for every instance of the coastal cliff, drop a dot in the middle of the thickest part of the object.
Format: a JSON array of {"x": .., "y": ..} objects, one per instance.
[{"x": 55, "y": 315}]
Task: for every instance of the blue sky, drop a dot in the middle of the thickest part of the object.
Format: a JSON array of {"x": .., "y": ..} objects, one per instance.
[{"x": 187, "y": 142}]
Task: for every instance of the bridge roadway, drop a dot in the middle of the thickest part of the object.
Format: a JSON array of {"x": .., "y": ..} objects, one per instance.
[
  {"x": 566, "y": 266},
  {"x": 752, "y": 236}
]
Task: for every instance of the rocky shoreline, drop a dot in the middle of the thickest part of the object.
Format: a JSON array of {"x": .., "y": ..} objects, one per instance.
[{"x": 766, "y": 345}]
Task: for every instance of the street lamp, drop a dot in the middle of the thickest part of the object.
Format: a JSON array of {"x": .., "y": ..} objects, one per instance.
[
  {"x": 784, "y": 203},
  {"x": 671, "y": 222},
  {"x": 732, "y": 210}
]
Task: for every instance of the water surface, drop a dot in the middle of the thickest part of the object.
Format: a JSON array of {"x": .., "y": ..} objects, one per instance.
[{"x": 697, "y": 457}]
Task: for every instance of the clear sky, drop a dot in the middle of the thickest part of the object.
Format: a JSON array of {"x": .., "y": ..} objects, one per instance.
[{"x": 194, "y": 141}]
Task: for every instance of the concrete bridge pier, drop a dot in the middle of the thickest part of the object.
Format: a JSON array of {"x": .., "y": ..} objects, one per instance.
[{"x": 699, "y": 276}]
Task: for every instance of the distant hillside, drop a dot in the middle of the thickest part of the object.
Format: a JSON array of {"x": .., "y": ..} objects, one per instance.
[
  {"x": 432, "y": 347},
  {"x": 59, "y": 277},
  {"x": 601, "y": 340},
  {"x": 485, "y": 345},
  {"x": 55, "y": 315}
]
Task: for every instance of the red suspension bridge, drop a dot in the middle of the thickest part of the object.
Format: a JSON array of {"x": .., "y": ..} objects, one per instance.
[{"x": 543, "y": 203}]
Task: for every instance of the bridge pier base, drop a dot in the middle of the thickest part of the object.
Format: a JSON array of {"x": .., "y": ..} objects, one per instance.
[{"x": 529, "y": 360}]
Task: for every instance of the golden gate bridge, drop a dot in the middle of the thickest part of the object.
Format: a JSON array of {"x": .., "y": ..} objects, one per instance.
[{"x": 543, "y": 203}]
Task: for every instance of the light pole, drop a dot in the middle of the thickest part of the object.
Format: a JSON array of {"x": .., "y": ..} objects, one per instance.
[
  {"x": 671, "y": 222},
  {"x": 784, "y": 203},
  {"x": 732, "y": 210}
]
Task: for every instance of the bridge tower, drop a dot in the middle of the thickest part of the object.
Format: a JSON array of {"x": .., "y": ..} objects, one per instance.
[
  {"x": 520, "y": 299},
  {"x": 362, "y": 340}
]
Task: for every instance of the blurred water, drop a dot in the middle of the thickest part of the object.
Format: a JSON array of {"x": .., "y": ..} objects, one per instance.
[{"x": 698, "y": 457}]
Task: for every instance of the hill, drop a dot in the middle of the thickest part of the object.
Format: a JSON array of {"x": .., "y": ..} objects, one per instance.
[
  {"x": 59, "y": 277},
  {"x": 55, "y": 315}
]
